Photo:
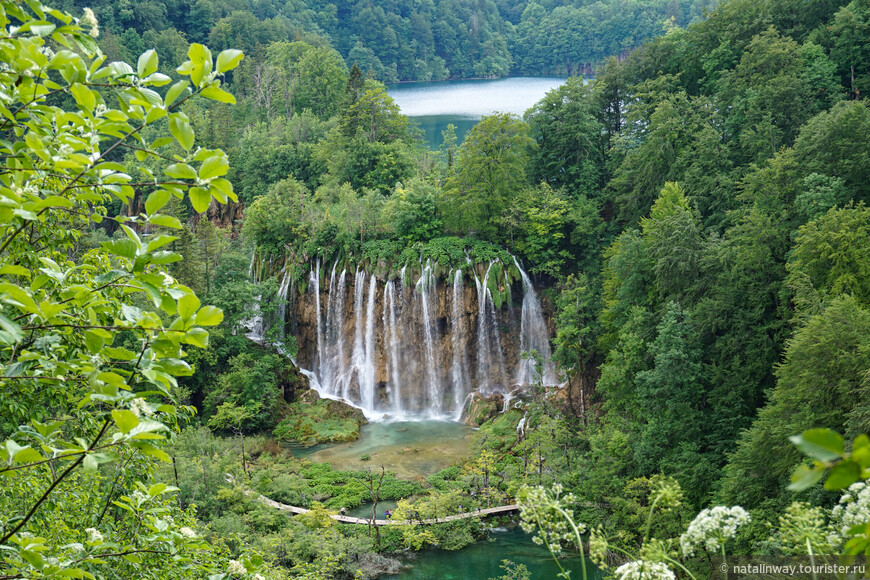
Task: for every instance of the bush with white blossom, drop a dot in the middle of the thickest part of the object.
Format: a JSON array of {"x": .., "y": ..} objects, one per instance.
[
  {"x": 853, "y": 509},
  {"x": 642, "y": 570},
  {"x": 712, "y": 527}
]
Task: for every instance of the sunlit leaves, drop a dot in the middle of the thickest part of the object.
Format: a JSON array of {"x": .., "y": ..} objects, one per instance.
[{"x": 92, "y": 337}]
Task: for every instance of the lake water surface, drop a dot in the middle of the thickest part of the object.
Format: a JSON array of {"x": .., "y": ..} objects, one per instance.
[
  {"x": 482, "y": 560},
  {"x": 463, "y": 103},
  {"x": 408, "y": 449},
  {"x": 419, "y": 449}
]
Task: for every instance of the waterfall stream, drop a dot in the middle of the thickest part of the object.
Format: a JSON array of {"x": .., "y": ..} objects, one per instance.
[{"x": 416, "y": 349}]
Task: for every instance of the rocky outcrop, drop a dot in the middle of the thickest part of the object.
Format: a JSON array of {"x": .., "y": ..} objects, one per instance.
[
  {"x": 312, "y": 420},
  {"x": 481, "y": 409}
]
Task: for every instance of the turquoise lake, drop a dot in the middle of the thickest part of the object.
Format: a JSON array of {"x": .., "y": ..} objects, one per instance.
[
  {"x": 419, "y": 449},
  {"x": 482, "y": 560},
  {"x": 433, "y": 105}
]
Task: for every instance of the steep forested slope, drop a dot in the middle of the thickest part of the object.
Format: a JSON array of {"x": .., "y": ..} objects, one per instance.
[{"x": 432, "y": 40}]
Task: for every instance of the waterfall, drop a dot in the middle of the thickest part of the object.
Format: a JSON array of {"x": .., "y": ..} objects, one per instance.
[
  {"x": 391, "y": 337},
  {"x": 332, "y": 364},
  {"x": 282, "y": 301},
  {"x": 316, "y": 282},
  {"x": 427, "y": 280},
  {"x": 458, "y": 372},
  {"x": 407, "y": 348},
  {"x": 533, "y": 336},
  {"x": 367, "y": 373},
  {"x": 484, "y": 364},
  {"x": 358, "y": 355}
]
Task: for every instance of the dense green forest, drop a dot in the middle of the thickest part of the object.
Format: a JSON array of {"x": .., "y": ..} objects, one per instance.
[
  {"x": 398, "y": 41},
  {"x": 697, "y": 218}
]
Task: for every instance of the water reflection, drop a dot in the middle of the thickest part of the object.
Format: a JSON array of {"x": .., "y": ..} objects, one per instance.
[{"x": 463, "y": 103}]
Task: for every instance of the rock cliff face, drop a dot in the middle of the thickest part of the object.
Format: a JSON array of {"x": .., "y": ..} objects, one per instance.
[{"x": 420, "y": 345}]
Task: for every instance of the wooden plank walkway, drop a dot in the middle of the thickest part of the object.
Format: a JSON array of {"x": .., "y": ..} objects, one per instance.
[
  {"x": 480, "y": 513},
  {"x": 503, "y": 509}
]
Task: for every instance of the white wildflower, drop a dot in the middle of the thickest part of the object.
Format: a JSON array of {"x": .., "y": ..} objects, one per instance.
[
  {"x": 853, "y": 509},
  {"x": 89, "y": 19},
  {"x": 139, "y": 407},
  {"x": 258, "y": 577},
  {"x": 187, "y": 532},
  {"x": 94, "y": 537},
  {"x": 550, "y": 515},
  {"x": 712, "y": 528},
  {"x": 641, "y": 570},
  {"x": 236, "y": 567}
]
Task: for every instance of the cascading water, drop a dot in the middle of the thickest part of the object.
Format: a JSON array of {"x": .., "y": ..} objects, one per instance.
[
  {"x": 426, "y": 291},
  {"x": 392, "y": 339},
  {"x": 367, "y": 373},
  {"x": 358, "y": 356},
  {"x": 282, "y": 300},
  {"x": 316, "y": 286},
  {"x": 406, "y": 348},
  {"x": 533, "y": 337},
  {"x": 458, "y": 373}
]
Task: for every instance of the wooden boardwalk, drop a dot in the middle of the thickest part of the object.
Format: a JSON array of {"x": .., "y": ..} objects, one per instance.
[{"x": 503, "y": 509}]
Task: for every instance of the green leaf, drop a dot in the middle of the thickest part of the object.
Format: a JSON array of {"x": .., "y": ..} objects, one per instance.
[
  {"x": 90, "y": 463},
  {"x": 14, "y": 270},
  {"x": 166, "y": 221},
  {"x": 200, "y": 198},
  {"x": 843, "y": 475},
  {"x": 156, "y": 200},
  {"x": 159, "y": 241},
  {"x": 125, "y": 420},
  {"x": 228, "y": 60},
  {"x": 218, "y": 94},
  {"x": 175, "y": 91},
  {"x": 149, "y": 449},
  {"x": 821, "y": 444},
  {"x": 123, "y": 248},
  {"x": 180, "y": 171},
  {"x": 199, "y": 54},
  {"x": 119, "y": 353},
  {"x": 805, "y": 477},
  {"x": 209, "y": 316},
  {"x": 197, "y": 337},
  {"x": 146, "y": 427},
  {"x": 35, "y": 559},
  {"x": 94, "y": 341},
  {"x": 214, "y": 166},
  {"x": 17, "y": 296},
  {"x": 187, "y": 306},
  {"x": 27, "y": 455},
  {"x": 147, "y": 63},
  {"x": 181, "y": 130},
  {"x": 84, "y": 97}
]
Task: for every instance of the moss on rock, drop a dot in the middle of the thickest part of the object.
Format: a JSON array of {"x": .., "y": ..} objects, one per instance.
[{"x": 312, "y": 420}]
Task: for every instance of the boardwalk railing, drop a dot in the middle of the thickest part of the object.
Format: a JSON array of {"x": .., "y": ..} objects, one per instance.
[{"x": 481, "y": 513}]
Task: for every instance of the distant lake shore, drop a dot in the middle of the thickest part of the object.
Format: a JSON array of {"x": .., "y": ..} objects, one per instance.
[{"x": 435, "y": 104}]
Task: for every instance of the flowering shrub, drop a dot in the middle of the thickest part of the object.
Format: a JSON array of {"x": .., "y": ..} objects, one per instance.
[
  {"x": 854, "y": 507},
  {"x": 711, "y": 528},
  {"x": 641, "y": 570}
]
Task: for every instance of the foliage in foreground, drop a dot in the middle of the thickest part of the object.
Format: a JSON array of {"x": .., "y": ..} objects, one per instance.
[{"x": 93, "y": 341}]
